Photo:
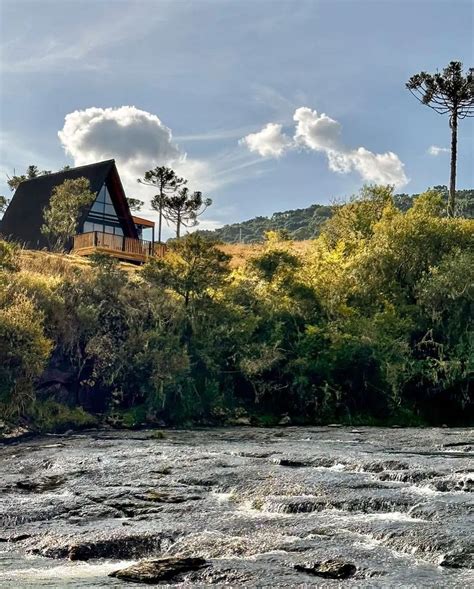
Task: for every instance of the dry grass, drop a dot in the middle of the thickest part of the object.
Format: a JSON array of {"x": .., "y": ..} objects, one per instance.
[
  {"x": 52, "y": 263},
  {"x": 65, "y": 264},
  {"x": 241, "y": 252}
]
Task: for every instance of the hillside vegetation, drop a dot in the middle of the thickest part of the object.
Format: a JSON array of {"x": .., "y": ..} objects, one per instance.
[
  {"x": 301, "y": 224},
  {"x": 369, "y": 323}
]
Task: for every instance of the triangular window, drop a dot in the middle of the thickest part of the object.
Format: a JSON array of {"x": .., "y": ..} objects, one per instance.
[{"x": 102, "y": 216}]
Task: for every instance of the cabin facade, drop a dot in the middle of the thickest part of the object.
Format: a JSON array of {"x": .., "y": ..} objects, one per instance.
[{"x": 107, "y": 226}]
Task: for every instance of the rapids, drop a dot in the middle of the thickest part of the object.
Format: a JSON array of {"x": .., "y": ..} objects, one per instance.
[{"x": 257, "y": 504}]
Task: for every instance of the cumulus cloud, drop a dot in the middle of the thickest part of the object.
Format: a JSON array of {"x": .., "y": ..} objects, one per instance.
[
  {"x": 137, "y": 140},
  {"x": 126, "y": 133},
  {"x": 316, "y": 131},
  {"x": 319, "y": 132},
  {"x": 381, "y": 168},
  {"x": 269, "y": 142},
  {"x": 435, "y": 150}
]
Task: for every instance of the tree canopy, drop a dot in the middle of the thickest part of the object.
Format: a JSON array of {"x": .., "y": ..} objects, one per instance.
[{"x": 61, "y": 216}]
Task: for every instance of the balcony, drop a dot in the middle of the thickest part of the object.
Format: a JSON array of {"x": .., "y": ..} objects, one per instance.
[{"x": 124, "y": 248}]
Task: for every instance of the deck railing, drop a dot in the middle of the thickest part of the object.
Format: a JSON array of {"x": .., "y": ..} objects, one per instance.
[{"x": 139, "y": 249}]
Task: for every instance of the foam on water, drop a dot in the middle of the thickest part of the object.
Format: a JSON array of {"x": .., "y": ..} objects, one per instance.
[{"x": 254, "y": 502}]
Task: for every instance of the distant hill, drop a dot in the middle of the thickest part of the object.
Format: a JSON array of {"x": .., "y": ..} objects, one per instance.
[{"x": 306, "y": 223}]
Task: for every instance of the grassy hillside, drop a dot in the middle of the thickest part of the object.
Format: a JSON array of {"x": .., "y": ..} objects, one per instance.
[{"x": 301, "y": 224}]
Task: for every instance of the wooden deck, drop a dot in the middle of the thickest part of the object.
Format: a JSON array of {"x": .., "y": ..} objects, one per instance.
[{"x": 124, "y": 248}]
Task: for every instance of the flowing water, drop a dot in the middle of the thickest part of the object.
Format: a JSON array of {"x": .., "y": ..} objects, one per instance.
[{"x": 396, "y": 503}]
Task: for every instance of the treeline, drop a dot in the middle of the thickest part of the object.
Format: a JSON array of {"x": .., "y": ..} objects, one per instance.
[
  {"x": 300, "y": 224},
  {"x": 372, "y": 324}
]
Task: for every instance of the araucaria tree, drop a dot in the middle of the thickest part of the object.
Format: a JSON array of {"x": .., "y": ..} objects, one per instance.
[
  {"x": 134, "y": 204},
  {"x": 61, "y": 216},
  {"x": 450, "y": 92},
  {"x": 184, "y": 207},
  {"x": 31, "y": 172},
  {"x": 168, "y": 183}
]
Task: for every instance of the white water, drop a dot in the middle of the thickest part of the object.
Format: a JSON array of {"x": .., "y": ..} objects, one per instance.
[{"x": 223, "y": 495}]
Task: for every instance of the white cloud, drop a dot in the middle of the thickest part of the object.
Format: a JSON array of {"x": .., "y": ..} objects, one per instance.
[
  {"x": 435, "y": 150},
  {"x": 137, "y": 140},
  {"x": 319, "y": 132},
  {"x": 381, "y": 168},
  {"x": 269, "y": 142},
  {"x": 130, "y": 134}
]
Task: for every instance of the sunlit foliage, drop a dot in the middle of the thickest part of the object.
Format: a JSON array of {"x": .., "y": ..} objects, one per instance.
[{"x": 371, "y": 324}]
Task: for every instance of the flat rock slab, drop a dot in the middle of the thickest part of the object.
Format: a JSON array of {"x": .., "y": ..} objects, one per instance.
[
  {"x": 158, "y": 569},
  {"x": 330, "y": 569}
]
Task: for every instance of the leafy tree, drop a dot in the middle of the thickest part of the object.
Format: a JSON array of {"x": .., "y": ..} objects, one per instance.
[
  {"x": 191, "y": 267},
  {"x": 168, "y": 183},
  {"x": 4, "y": 201},
  {"x": 24, "y": 351},
  {"x": 9, "y": 256},
  {"x": 61, "y": 216},
  {"x": 184, "y": 207},
  {"x": 450, "y": 92}
]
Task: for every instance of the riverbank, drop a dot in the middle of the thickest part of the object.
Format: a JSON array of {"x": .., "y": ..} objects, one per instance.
[{"x": 56, "y": 419}]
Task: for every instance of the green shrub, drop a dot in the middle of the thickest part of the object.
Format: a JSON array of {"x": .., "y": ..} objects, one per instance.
[{"x": 50, "y": 416}]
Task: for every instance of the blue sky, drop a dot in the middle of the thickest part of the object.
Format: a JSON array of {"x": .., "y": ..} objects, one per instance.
[{"x": 204, "y": 75}]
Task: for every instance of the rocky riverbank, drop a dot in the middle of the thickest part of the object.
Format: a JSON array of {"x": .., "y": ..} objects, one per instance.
[{"x": 244, "y": 506}]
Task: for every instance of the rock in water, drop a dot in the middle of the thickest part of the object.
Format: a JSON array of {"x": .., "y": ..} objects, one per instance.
[
  {"x": 330, "y": 569},
  {"x": 158, "y": 569}
]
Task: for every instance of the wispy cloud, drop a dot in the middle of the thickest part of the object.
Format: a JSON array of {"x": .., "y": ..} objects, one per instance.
[
  {"x": 78, "y": 46},
  {"x": 435, "y": 150},
  {"x": 216, "y": 135}
]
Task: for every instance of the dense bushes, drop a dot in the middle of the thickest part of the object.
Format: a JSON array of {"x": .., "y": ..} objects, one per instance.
[{"x": 372, "y": 324}]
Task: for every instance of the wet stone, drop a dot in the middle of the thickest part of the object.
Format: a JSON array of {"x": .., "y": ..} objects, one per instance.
[
  {"x": 329, "y": 569},
  {"x": 292, "y": 463},
  {"x": 158, "y": 569},
  {"x": 163, "y": 497},
  {"x": 48, "y": 483},
  {"x": 459, "y": 560},
  {"x": 131, "y": 546}
]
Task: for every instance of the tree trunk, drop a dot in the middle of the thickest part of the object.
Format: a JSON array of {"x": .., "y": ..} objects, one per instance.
[
  {"x": 160, "y": 216},
  {"x": 454, "y": 149},
  {"x": 178, "y": 226}
]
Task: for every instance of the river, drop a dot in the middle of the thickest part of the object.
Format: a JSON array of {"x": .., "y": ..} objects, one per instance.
[{"x": 254, "y": 502}]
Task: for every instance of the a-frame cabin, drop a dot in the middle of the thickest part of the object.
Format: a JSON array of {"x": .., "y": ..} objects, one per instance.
[{"x": 106, "y": 226}]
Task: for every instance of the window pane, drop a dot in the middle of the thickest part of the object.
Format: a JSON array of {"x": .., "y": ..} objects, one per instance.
[
  {"x": 88, "y": 227},
  {"x": 108, "y": 229},
  {"x": 110, "y": 210},
  {"x": 98, "y": 207},
  {"x": 147, "y": 234},
  {"x": 118, "y": 231},
  {"x": 107, "y": 198},
  {"x": 101, "y": 195}
]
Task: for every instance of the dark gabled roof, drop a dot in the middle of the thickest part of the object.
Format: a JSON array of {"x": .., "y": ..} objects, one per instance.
[{"x": 23, "y": 218}]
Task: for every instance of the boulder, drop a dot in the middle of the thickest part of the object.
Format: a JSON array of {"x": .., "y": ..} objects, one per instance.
[
  {"x": 329, "y": 569},
  {"x": 47, "y": 483},
  {"x": 292, "y": 463},
  {"x": 130, "y": 546},
  {"x": 458, "y": 560},
  {"x": 158, "y": 569},
  {"x": 242, "y": 421}
]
